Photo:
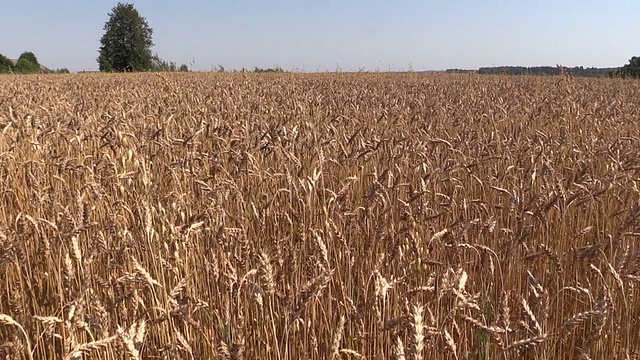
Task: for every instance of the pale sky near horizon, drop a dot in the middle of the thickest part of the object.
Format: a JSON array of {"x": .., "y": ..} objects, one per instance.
[{"x": 316, "y": 35}]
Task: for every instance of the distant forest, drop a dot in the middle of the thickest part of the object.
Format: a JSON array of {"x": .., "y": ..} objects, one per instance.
[{"x": 540, "y": 70}]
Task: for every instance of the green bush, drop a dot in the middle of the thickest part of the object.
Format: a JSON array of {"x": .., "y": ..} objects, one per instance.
[
  {"x": 29, "y": 56},
  {"x": 6, "y": 65},
  {"x": 24, "y": 66},
  {"x": 276, "y": 69}
]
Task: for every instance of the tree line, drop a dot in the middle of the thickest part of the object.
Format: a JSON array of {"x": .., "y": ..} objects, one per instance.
[
  {"x": 630, "y": 70},
  {"x": 27, "y": 63},
  {"x": 540, "y": 71}
]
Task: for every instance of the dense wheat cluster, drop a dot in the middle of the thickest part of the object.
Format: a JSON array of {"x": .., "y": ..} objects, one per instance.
[{"x": 337, "y": 216}]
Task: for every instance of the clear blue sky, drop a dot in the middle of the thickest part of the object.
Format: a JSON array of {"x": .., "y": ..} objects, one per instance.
[{"x": 319, "y": 35}]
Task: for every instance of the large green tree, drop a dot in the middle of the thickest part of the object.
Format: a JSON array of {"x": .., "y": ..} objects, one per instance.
[{"x": 127, "y": 41}]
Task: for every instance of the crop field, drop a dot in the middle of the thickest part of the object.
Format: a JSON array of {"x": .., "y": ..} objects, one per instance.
[{"x": 319, "y": 216}]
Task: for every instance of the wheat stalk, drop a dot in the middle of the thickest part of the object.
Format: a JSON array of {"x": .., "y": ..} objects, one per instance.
[
  {"x": 8, "y": 320},
  {"x": 337, "y": 338}
]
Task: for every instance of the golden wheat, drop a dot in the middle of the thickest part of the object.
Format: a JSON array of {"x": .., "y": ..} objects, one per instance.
[{"x": 312, "y": 216}]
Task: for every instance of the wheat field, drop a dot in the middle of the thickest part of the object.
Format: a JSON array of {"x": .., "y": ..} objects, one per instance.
[{"x": 319, "y": 216}]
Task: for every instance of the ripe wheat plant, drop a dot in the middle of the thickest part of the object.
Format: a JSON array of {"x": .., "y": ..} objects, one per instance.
[{"x": 319, "y": 216}]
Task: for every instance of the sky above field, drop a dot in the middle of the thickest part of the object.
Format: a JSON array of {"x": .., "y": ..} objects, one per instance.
[{"x": 328, "y": 35}]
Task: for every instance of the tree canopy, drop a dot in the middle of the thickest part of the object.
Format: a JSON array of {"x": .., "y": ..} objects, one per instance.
[
  {"x": 29, "y": 56},
  {"x": 127, "y": 41}
]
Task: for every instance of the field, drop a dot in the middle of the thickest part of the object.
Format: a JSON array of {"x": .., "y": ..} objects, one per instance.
[{"x": 319, "y": 216}]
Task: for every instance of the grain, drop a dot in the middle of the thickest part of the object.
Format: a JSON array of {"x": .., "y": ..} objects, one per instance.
[{"x": 308, "y": 216}]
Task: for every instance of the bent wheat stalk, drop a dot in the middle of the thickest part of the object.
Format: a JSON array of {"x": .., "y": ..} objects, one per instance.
[{"x": 8, "y": 320}]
